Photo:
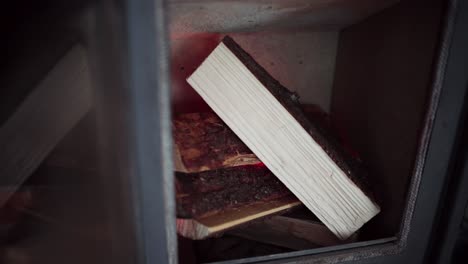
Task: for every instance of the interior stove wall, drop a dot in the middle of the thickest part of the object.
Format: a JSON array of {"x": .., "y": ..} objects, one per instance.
[
  {"x": 303, "y": 61},
  {"x": 294, "y": 40}
]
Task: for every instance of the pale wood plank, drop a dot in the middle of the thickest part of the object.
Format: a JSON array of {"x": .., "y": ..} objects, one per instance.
[{"x": 216, "y": 224}]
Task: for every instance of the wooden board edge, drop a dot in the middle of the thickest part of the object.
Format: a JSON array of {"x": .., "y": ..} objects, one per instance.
[{"x": 217, "y": 224}]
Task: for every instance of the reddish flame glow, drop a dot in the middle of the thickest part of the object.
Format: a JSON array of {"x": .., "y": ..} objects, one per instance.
[
  {"x": 259, "y": 165},
  {"x": 187, "y": 53}
]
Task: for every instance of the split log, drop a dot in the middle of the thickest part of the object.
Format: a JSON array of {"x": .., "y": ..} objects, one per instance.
[
  {"x": 203, "y": 142},
  {"x": 216, "y": 224},
  {"x": 220, "y": 183},
  {"x": 212, "y": 192},
  {"x": 268, "y": 119},
  {"x": 220, "y": 195}
]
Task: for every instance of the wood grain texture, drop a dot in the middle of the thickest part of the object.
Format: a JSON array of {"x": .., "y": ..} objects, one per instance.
[
  {"x": 220, "y": 183},
  {"x": 281, "y": 143},
  {"x": 58, "y": 102},
  {"x": 212, "y": 192},
  {"x": 317, "y": 129},
  {"x": 203, "y": 142},
  {"x": 213, "y": 225},
  {"x": 290, "y": 232}
]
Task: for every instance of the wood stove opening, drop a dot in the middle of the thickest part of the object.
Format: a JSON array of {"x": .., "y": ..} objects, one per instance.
[{"x": 365, "y": 63}]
